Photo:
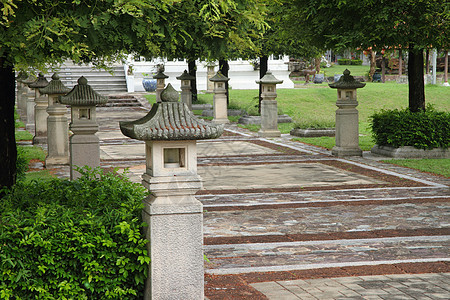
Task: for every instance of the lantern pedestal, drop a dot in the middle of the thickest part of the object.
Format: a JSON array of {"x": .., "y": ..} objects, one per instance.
[
  {"x": 269, "y": 119},
  {"x": 175, "y": 220},
  {"x": 40, "y": 116},
  {"x": 347, "y": 132},
  {"x": 58, "y": 136},
  {"x": 29, "y": 125}
]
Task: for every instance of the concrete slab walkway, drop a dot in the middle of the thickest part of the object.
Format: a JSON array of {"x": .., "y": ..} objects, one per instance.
[{"x": 286, "y": 220}]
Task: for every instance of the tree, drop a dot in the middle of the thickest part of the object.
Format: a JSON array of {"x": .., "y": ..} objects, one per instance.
[
  {"x": 415, "y": 25},
  {"x": 36, "y": 34}
]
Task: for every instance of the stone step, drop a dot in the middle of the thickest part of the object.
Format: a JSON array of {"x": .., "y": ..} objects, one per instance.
[
  {"x": 291, "y": 256},
  {"x": 122, "y": 101}
]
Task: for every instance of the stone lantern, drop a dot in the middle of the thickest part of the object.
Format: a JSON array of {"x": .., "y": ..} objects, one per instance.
[
  {"x": 220, "y": 98},
  {"x": 57, "y": 127},
  {"x": 186, "y": 94},
  {"x": 160, "y": 84},
  {"x": 269, "y": 109},
  {"x": 174, "y": 216},
  {"x": 40, "y": 110},
  {"x": 29, "y": 107},
  {"x": 83, "y": 144},
  {"x": 347, "y": 133},
  {"x": 209, "y": 74}
]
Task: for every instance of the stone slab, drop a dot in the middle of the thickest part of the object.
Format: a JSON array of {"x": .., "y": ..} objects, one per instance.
[
  {"x": 256, "y": 120},
  {"x": 282, "y": 175},
  {"x": 313, "y": 132},
  {"x": 230, "y": 112},
  {"x": 410, "y": 152}
]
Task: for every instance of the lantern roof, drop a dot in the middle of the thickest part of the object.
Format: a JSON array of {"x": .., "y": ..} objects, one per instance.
[
  {"x": 347, "y": 82},
  {"x": 269, "y": 79},
  {"x": 160, "y": 75},
  {"x": 30, "y": 79},
  {"x": 83, "y": 95},
  {"x": 39, "y": 83},
  {"x": 55, "y": 86},
  {"x": 21, "y": 76},
  {"x": 185, "y": 76},
  {"x": 219, "y": 77},
  {"x": 170, "y": 120}
]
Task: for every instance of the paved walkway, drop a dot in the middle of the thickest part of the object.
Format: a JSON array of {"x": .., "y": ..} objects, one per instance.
[{"x": 286, "y": 220}]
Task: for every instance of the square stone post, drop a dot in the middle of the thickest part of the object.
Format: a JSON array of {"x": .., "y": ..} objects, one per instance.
[
  {"x": 269, "y": 107},
  {"x": 186, "y": 94},
  {"x": 83, "y": 144},
  {"x": 40, "y": 111},
  {"x": 29, "y": 106},
  {"x": 160, "y": 84},
  {"x": 21, "y": 93},
  {"x": 347, "y": 126},
  {"x": 57, "y": 126},
  {"x": 209, "y": 74},
  {"x": 220, "y": 98},
  {"x": 174, "y": 216}
]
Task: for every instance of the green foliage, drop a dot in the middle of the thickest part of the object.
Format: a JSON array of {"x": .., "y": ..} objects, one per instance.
[
  {"x": 79, "y": 239},
  {"x": 23, "y": 136},
  {"x": 436, "y": 166},
  {"x": 423, "y": 130},
  {"x": 345, "y": 61},
  {"x": 21, "y": 164}
]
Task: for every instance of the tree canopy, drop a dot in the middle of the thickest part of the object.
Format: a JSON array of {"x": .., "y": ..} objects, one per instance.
[{"x": 405, "y": 24}]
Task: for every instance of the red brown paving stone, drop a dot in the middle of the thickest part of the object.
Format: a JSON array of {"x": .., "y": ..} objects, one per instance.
[
  {"x": 243, "y": 280},
  {"x": 229, "y": 287}
]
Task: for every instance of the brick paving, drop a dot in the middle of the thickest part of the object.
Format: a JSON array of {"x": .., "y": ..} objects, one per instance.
[{"x": 286, "y": 220}]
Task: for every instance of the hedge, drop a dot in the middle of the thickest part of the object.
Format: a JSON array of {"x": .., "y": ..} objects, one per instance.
[
  {"x": 78, "y": 239},
  {"x": 423, "y": 130},
  {"x": 345, "y": 61}
]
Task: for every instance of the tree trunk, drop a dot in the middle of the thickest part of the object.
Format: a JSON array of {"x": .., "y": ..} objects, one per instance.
[
  {"x": 400, "y": 62},
  {"x": 192, "y": 69},
  {"x": 415, "y": 79},
  {"x": 8, "y": 150},
  {"x": 317, "y": 61},
  {"x": 223, "y": 68},
  {"x": 263, "y": 66},
  {"x": 373, "y": 63},
  {"x": 383, "y": 69},
  {"x": 446, "y": 67}
]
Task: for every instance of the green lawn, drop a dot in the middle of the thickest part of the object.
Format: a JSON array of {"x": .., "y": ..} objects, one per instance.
[{"x": 436, "y": 166}]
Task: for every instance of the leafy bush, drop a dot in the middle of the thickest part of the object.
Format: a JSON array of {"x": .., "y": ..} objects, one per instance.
[
  {"x": 423, "y": 130},
  {"x": 79, "y": 239},
  {"x": 345, "y": 61},
  {"x": 21, "y": 163}
]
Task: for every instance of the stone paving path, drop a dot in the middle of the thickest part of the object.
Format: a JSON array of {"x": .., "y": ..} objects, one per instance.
[{"x": 285, "y": 220}]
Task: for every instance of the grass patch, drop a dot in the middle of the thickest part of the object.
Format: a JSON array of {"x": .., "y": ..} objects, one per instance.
[
  {"x": 23, "y": 136},
  {"x": 38, "y": 175},
  {"x": 436, "y": 166},
  {"x": 33, "y": 152}
]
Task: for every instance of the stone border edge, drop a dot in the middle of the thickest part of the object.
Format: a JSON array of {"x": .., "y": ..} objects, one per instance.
[{"x": 410, "y": 152}]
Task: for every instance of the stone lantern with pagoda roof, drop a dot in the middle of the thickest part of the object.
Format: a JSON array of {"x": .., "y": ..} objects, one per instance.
[
  {"x": 40, "y": 110},
  {"x": 269, "y": 108},
  {"x": 347, "y": 132},
  {"x": 186, "y": 94},
  {"x": 160, "y": 83},
  {"x": 83, "y": 144},
  {"x": 174, "y": 216},
  {"x": 57, "y": 127},
  {"x": 220, "y": 98}
]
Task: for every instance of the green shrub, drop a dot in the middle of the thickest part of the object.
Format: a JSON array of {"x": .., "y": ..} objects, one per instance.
[
  {"x": 357, "y": 62},
  {"x": 21, "y": 164},
  {"x": 78, "y": 239},
  {"x": 424, "y": 130},
  {"x": 345, "y": 61}
]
